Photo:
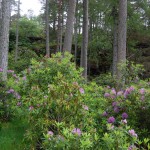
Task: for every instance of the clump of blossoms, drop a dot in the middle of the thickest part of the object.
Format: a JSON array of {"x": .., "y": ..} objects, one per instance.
[
  {"x": 105, "y": 114},
  {"x": 77, "y": 131},
  {"x": 106, "y": 95},
  {"x": 85, "y": 107},
  {"x": 31, "y": 108},
  {"x": 132, "y": 147},
  {"x": 124, "y": 121},
  {"x": 124, "y": 115},
  {"x": 132, "y": 133},
  {"x": 128, "y": 91},
  {"x": 142, "y": 91},
  {"x": 50, "y": 133},
  {"x": 81, "y": 90},
  {"x": 111, "y": 120}
]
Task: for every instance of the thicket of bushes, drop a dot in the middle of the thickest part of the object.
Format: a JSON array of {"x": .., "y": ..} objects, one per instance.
[{"x": 65, "y": 112}]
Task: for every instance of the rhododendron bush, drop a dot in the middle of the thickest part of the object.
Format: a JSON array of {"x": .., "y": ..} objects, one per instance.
[{"x": 67, "y": 113}]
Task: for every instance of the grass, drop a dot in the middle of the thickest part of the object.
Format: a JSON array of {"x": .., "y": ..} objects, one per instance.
[{"x": 11, "y": 135}]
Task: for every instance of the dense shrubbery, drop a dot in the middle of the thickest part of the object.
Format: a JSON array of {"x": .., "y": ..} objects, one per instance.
[
  {"x": 65, "y": 113},
  {"x": 24, "y": 60}
]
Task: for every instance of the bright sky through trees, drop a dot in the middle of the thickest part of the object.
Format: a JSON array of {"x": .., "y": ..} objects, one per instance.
[{"x": 30, "y": 5}]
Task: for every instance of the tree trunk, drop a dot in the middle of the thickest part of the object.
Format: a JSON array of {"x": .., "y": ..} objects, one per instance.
[
  {"x": 69, "y": 26},
  {"x": 47, "y": 29},
  {"x": 0, "y": 10},
  {"x": 76, "y": 33},
  {"x": 4, "y": 37},
  {"x": 59, "y": 29},
  {"x": 115, "y": 43},
  {"x": 17, "y": 31},
  {"x": 85, "y": 38},
  {"x": 122, "y": 31}
]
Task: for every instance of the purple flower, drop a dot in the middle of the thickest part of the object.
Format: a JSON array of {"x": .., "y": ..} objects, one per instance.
[
  {"x": 132, "y": 147},
  {"x": 17, "y": 95},
  {"x": 113, "y": 91},
  {"x": 111, "y": 119},
  {"x": 77, "y": 131},
  {"x": 131, "y": 88},
  {"x": 10, "y": 91},
  {"x": 106, "y": 95},
  {"x": 132, "y": 133},
  {"x": 1, "y": 70},
  {"x": 24, "y": 78},
  {"x": 14, "y": 75},
  {"x": 85, "y": 107},
  {"x": 10, "y": 71},
  {"x": 50, "y": 133},
  {"x": 114, "y": 104},
  {"x": 142, "y": 91},
  {"x": 19, "y": 104},
  {"x": 81, "y": 90},
  {"x": 124, "y": 121},
  {"x": 108, "y": 87},
  {"x": 31, "y": 108},
  {"x": 124, "y": 115},
  {"x": 75, "y": 83},
  {"x": 105, "y": 114},
  {"x": 119, "y": 93},
  {"x": 116, "y": 109}
]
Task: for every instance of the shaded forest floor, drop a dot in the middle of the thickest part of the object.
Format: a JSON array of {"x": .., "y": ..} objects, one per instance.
[{"x": 11, "y": 135}]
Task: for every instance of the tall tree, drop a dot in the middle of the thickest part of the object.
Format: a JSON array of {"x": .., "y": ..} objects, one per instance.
[
  {"x": 17, "y": 31},
  {"x": 47, "y": 29},
  {"x": 122, "y": 33},
  {"x": 115, "y": 41},
  {"x": 69, "y": 26},
  {"x": 0, "y": 9},
  {"x": 59, "y": 29},
  {"x": 4, "y": 37},
  {"x": 76, "y": 31},
  {"x": 85, "y": 38}
]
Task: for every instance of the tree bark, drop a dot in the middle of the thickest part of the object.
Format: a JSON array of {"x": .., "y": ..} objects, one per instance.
[
  {"x": 115, "y": 43},
  {"x": 59, "y": 29},
  {"x": 47, "y": 29},
  {"x": 85, "y": 38},
  {"x": 122, "y": 31},
  {"x": 4, "y": 37},
  {"x": 17, "y": 31},
  {"x": 69, "y": 26},
  {"x": 76, "y": 32}
]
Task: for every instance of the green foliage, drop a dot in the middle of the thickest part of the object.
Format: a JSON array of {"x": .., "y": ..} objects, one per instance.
[
  {"x": 24, "y": 60},
  {"x": 135, "y": 102},
  {"x": 27, "y": 28},
  {"x": 130, "y": 71},
  {"x": 105, "y": 79},
  {"x": 65, "y": 113},
  {"x": 11, "y": 135}
]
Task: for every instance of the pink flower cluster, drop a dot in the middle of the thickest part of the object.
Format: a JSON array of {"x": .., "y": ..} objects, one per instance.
[
  {"x": 50, "y": 133},
  {"x": 132, "y": 133},
  {"x": 12, "y": 91},
  {"x": 85, "y": 107},
  {"x": 128, "y": 91},
  {"x": 77, "y": 131},
  {"x": 81, "y": 90},
  {"x": 1, "y": 70},
  {"x": 111, "y": 120}
]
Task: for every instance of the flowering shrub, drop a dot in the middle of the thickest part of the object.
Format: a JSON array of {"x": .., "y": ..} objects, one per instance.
[
  {"x": 65, "y": 113},
  {"x": 7, "y": 95},
  {"x": 132, "y": 103}
]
